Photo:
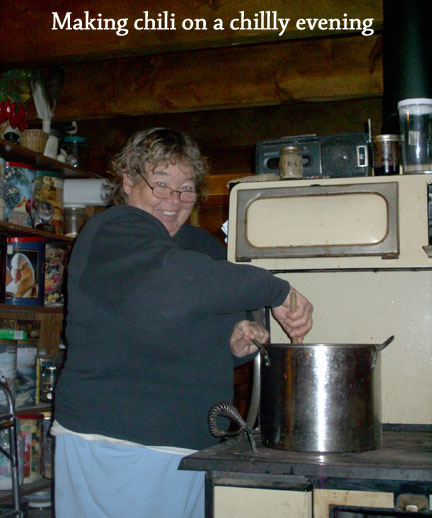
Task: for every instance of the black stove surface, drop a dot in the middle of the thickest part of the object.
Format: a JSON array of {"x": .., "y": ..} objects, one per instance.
[{"x": 404, "y": 455}]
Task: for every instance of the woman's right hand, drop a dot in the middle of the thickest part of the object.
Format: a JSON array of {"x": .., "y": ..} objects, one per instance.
[{"x": 295, "y": 323}]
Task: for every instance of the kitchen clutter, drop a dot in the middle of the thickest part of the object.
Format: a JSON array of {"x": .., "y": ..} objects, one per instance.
[
  {"x": 35, "y": 449},
  {"x": 30, "y": 376},
  {"x": 32, "y": 268},
  {"x": 37, "y": 198},
  {"x": 26, "y": 367}
]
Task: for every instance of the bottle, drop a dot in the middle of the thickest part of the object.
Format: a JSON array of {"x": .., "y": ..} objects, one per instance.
[
  {"x": 291, "y": 163},
  {"x": 43, "y": 360},
  {"x": 48, "y": 445}
]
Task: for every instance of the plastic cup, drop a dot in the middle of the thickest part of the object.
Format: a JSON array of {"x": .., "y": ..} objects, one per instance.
[{"x": 415, "y": 118}]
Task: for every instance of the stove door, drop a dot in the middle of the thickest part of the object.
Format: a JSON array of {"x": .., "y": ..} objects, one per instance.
[{"x": 318, "y": 221}]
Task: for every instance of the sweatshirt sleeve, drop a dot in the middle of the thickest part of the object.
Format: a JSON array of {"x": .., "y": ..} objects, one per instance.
[{"x": 136, "y": 272}]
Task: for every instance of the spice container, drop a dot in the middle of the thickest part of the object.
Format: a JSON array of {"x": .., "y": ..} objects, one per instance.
[
  {"x": 386, "y": 155},
  {"x": 77, "y": 151},
  {"x": 291, "y": 163},
  {"x": 74, "y": 218}
]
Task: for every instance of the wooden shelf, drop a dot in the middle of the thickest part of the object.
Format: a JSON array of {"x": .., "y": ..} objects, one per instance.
[
  {"x": 39, "y": 309},
  {"x": 11, "y": 229},
  {"x": 14, "y": 152},
  {"x": 26, "y": 489},
  {"x": 33, "y": 409}
]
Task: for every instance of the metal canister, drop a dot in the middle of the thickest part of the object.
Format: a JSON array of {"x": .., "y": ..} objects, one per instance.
[
  {"x": 25, "y": 264},
  {"x": 386, "y": 155},
  {"x": 19, "y": 196},
  {"x": 291, "y": 163},
  {"x": 49, "y": 201}
]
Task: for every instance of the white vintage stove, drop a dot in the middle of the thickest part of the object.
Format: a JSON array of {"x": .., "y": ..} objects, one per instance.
[{"x": 359, "y": 249}]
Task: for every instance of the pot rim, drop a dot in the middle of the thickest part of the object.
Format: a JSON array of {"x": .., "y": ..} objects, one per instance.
[{"x": 315, "y": 345}]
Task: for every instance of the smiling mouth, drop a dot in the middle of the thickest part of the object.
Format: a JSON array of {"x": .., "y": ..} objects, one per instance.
[{"x": 168, "y": 213}]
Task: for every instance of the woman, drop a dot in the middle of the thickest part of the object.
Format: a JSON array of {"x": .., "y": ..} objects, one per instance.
[{"x": 155, "y": 316}]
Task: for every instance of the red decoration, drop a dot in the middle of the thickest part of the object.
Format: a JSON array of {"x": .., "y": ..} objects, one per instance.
[{"x": 14, "y": 113}]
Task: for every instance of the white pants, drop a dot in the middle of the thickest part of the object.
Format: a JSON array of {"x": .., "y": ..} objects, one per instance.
[{"x": 99, "y": 479}]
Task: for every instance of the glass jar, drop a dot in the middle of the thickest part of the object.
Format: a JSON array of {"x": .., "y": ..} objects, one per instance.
[
  {"x": 386, "y": 155},
  {"x": 291, "y": 163},
  {"x": 74, "y": 218},
  {"x": 48, "y": 381},
  {"x": 77, "y": 151}
]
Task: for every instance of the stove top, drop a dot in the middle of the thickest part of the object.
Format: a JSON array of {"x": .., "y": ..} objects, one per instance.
[{"x": 404, "y": 455}]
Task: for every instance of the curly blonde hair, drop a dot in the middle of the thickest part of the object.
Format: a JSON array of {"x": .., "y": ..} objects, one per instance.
[{"x": 145, "y": 150}]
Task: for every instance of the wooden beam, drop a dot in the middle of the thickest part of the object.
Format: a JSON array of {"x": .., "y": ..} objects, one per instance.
[
  {"x": 34, "y": 35},
  {"x": 321, "y": 69},
  {"x": 228, "y": 137}
]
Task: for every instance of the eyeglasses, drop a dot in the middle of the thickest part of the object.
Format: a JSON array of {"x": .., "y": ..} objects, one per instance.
[{"x": 163, "y": 193}]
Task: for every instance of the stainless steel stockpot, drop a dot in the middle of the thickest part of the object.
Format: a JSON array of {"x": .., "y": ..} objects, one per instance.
[{"x": 321, "y": 397}]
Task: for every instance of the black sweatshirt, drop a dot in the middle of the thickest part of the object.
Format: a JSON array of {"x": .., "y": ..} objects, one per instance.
[{"x": 148, "y": 325}]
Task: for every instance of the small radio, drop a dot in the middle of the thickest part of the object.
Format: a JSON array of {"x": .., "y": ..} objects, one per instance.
[{"x": 343, "y": 155}]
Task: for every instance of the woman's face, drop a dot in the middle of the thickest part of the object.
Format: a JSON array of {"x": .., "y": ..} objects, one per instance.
[{"x": 172, "y": 212}]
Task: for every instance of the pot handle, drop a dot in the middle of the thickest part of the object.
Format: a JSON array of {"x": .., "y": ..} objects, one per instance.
[
  {"x": 384, "y": 344},
  {"x": 225, "y": 409}
]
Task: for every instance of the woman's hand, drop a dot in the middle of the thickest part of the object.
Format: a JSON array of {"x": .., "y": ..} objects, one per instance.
[
  {"x": 295, "y": 323},
  {"x": 243, "y": 334}
]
